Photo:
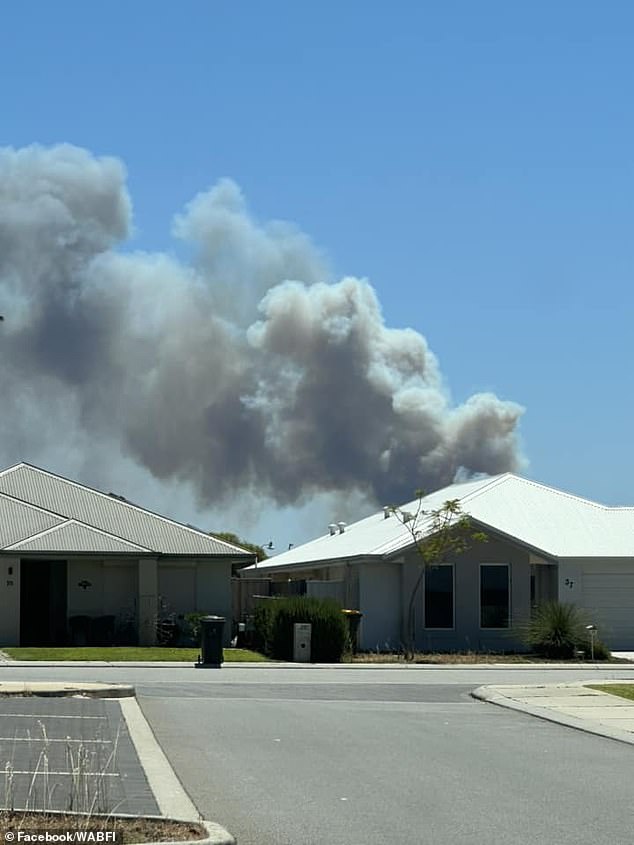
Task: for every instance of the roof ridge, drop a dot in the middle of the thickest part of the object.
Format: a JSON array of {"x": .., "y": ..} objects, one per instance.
[
  {"x": 31, "y": 505},
  {"x": 491, "y": 481},
  {"x": 563, "y": 493},
  {"x": 120, "y": 502},
  {"x": 35, "y": 536},
  {"x": 65, "y": 524},
  {"x": 74, "y": 521},
  {"x": 487, "y": 483}
]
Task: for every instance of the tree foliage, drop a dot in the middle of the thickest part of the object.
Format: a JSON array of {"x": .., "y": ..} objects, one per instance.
[
  {"x": 437, "y": 534},
  {"x": 229, "y": 537}
]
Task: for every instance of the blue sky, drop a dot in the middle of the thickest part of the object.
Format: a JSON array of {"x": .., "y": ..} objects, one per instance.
[{"x": 473, "y": 160}]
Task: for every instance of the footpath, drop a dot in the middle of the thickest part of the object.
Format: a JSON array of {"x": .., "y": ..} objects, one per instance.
[{"x": 574, "y": 705}]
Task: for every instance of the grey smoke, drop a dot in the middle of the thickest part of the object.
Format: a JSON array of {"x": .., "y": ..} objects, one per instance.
[{"x": 246, "y": 370}]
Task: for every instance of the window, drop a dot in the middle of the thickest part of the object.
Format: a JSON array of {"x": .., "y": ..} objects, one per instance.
[
  {"x": 439, "y": 596},
  {"x": 494, "y": 595}
]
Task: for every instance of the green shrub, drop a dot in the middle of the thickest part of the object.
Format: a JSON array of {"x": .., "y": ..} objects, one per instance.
[
  {"x": 557, "y": 630},
  {"x": 601, "y": 651},
  {"x": 191, "y": 628},
  {"x": 275, "y": 618},
  {"x": 264, "y": 625}
]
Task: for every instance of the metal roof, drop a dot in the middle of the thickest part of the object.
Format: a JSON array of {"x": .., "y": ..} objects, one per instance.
[
  {"x": 35, "y": 500},
  {"x": 542, "y": 518},
  {"x": 72, "y": 536},
  {"x": 19, "y": 520}
]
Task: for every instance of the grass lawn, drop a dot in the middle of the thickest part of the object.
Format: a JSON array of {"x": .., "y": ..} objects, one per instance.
[
  {"x": 133, "y": 653},
  {"x": 622, "y": 690}
]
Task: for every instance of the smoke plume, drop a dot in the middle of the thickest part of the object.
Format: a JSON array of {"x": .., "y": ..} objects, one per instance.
[{"x": 246, "y": 370}]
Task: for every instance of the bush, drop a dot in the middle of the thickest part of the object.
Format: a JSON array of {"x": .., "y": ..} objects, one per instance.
[
  {"x": 191, "y": 628},
  {"x": 264, "y": 625},
  {"x": 275, "y": 618},
  {"x": 601, "y": 651},
  {"x": 557, "y": 631}
]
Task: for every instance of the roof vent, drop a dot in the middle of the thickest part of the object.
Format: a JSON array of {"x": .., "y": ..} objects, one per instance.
[
  {"x": 407, "y": 516},
  {"x": 118, "y": 497},
  {"x": 341, "y": 526},
  {"x": 387, "y": 512},
  {"x": 332, "y": 528}
]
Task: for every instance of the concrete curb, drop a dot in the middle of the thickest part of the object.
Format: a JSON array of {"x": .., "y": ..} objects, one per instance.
[
  {"x": 491, "y": 695},
  {"x": 47, "y": 689},
  {"x": 174, "y": 803},
  {"x": 217, "y": 835},
  {"x": 172, "y": 800}
]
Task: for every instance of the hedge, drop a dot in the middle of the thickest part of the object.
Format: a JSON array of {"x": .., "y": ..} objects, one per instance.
[{"x": 275, "y": 618}]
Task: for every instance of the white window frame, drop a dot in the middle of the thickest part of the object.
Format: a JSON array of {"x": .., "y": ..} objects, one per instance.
[
  {"x": 453, "y": 597},
  {"x": 510, "y": 599}
]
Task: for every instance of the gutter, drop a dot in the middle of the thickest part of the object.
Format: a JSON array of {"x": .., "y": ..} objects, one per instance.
[{"x": 321, "y": 564}]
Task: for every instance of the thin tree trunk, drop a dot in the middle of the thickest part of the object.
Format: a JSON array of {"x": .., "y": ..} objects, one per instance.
[{"x": 410, "y": 645}]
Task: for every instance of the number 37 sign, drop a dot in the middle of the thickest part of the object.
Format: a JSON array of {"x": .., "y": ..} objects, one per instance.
[{"x": 569, "y": 583}]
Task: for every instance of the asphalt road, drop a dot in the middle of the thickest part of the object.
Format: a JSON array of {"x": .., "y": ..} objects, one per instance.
[
  {"x": 367, "y": 756},
  {"x": 402, "y": 760}
]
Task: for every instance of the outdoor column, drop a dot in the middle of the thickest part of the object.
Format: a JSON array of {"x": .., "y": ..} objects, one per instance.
[
  {"x": 10, "y": 600},
  {"x": 148, "y": 601}
]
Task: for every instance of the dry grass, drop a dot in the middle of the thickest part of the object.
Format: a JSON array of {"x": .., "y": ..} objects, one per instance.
[
  {"x": 87, "y": 804},
  {"x": 130, "y": 830},
  {"x": 467, "y": 657}
]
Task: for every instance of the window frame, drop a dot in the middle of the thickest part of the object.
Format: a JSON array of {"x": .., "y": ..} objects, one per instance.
[
  {"x": 509, "y": 601},
  {"x": 453, "y": 598}
]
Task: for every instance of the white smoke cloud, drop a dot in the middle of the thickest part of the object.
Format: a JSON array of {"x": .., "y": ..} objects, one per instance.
[{"x": 247, "y": 371}]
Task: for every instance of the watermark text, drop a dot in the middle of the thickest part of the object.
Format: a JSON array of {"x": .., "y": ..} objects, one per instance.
[{"x": 89, "y": 835}]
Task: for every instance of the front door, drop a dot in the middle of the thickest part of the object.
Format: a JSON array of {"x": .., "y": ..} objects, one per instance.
[
  {"x": 43, "y": 602},
  {"x": 543, "y": 584}
]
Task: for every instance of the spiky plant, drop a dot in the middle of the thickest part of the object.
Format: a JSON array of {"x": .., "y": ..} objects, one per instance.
[{"x": 556, "y": 630}]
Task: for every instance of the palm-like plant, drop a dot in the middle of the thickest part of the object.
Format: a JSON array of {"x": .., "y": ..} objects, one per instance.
[{"x": 556, "y": 630}]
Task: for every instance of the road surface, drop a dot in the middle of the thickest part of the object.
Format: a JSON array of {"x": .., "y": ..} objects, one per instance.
[{"x": 366, "y": 756}]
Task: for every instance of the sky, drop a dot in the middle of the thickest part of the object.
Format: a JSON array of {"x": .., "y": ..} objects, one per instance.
[{"x": 468, "y": 166}]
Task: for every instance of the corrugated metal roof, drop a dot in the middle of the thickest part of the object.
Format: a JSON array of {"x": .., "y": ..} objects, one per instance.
[
  {"x": 19, "y": 520},
  {"x": 72, "y": 536},
  {"x": 558, "y": 524},
  {"x": 69, "y": 500},
  {"x": 373, "y": 536}
]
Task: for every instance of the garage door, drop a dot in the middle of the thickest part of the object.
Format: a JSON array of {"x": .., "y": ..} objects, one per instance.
[{"x": 609, "y": 601}]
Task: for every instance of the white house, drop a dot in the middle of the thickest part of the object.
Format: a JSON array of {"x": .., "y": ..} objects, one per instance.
[
  {"x": 543, "y": 544},
  {"x": 68, "y": 551}
]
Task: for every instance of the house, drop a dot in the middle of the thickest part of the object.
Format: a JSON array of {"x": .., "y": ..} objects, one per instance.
[
  {"x": 543, "y": 544},
  {"x": 69, "y": 553}
]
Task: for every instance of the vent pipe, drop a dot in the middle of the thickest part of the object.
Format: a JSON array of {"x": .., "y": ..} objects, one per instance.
[
  {"x": 341, "y": 526},
  {"x": 332, "y": 528},
  {"x": 387, "y": 512}
]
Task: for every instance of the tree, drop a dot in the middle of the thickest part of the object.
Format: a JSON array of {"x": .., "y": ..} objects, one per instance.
[
  {"x": 437, "y": 534},
  {"x": 229, "y": 537}
]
